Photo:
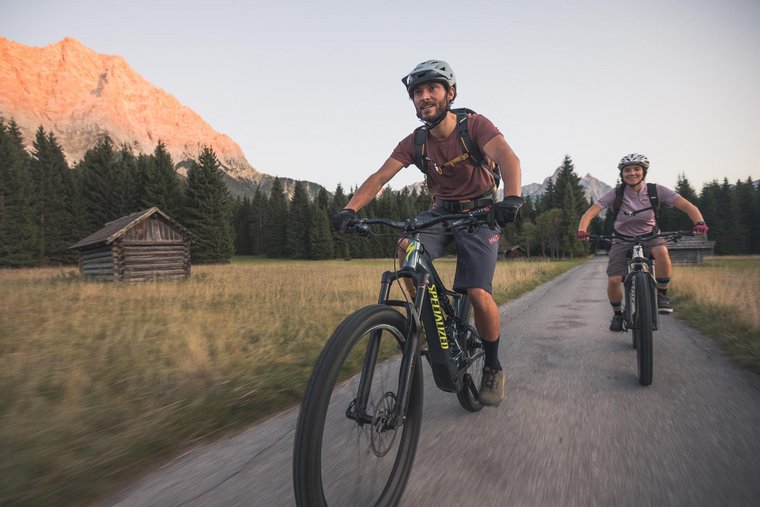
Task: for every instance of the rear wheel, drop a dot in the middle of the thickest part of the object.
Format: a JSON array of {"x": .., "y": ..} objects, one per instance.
[
  {"x": 474, "y": 355},
  {"x": 349, "y": 455},
  {"x": 642, "y": 327}
]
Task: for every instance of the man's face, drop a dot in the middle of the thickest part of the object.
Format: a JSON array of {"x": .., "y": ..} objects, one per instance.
[
  {"x": 431, "y": 99},
  {"x": 633, "y": 174}
]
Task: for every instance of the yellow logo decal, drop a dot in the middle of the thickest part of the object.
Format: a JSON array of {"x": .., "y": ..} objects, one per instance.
[
  {"x": 409, "y": 250},
  {"x": 440, "y": 327}
]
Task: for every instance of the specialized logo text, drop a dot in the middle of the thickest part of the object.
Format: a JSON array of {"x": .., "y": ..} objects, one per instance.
[{"x": 439, "y": 326}]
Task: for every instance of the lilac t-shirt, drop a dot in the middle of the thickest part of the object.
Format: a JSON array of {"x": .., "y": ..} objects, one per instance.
[
  {"x": 463, "y": 180},
  {"x": 640, "y": 223}
]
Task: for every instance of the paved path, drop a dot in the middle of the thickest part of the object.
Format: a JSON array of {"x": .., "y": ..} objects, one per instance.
[{"x": 575, "y": 428}]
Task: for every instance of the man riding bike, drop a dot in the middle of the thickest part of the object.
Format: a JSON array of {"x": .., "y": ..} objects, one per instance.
[
  {"x": 634, "y": 204},
  {"x": 458, "y": 184}
]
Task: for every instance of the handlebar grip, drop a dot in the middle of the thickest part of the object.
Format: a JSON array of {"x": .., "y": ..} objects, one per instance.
[{"x": 360, "y": 228}]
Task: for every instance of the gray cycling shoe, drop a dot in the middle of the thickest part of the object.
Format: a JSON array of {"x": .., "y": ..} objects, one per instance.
[{"x": 491, "y": 386}]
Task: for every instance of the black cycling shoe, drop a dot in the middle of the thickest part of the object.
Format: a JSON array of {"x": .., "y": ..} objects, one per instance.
[{"x": 617, "y": 323}]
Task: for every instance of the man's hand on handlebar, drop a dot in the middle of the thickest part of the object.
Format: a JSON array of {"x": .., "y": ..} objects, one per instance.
[
  {"x": 342, "y": 220},
  {"x": 505, "y": 211}
]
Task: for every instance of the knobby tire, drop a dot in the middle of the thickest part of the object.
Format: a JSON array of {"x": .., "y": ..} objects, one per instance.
[
  {"x": 643, "y": 328},
  {"x": 337, "y": 460}
]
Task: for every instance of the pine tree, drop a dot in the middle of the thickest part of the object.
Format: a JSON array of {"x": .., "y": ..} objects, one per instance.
[
  {"x": 98, "y": 181},
  {"x": 748, "y": 206},
  {"x": 164, "y": 186},
  {"x": 241, "y": 220},
  {"x": 275, "y": 221},
  {"x": 256, "y": 223},
  {"x": 320, "y": 237},
  {"x": 672, "y": 219},
  {"x": 208, "y": 214},
  {"x": 127, "y": 179},
  {"x": 56, "y": 200},
  {"x": 569, "y": 197},
  {"x": 341, "y": 248},
  {"x": 298, "y": 223},
  {"x": 19, "y": 233}
]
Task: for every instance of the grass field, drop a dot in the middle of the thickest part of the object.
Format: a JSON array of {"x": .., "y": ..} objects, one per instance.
[
  {"x": 721, "y": 298},
  {"x": 101, "y": 381}
]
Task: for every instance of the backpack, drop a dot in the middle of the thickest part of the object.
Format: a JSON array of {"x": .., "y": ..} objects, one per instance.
[
  {"x": 654, "y": 203},
  {"x": 470, "y": 148}
]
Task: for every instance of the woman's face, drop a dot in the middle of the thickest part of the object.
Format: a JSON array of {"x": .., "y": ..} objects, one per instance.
[{"x": 633, "y": 174}]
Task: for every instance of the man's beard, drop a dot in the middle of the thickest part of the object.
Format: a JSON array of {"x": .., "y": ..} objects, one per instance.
[{"x": 440, "y": 107}]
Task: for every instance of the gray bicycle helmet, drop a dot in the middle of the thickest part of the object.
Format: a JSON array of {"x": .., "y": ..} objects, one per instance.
[
  {"x": 431, "y": 70},
  {"x": 634, "y": 159}
]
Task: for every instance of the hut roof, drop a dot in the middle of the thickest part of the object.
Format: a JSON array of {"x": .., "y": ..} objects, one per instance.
[{"x": 117, "y": 228}]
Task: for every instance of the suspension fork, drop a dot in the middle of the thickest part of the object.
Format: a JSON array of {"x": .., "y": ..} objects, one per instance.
[{"x": 358, "y": 410}]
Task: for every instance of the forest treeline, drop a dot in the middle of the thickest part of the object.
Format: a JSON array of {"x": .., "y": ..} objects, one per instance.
[{"x": 46, "y": 206}]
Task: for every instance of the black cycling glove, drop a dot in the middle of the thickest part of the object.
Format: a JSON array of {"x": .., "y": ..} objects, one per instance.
[
  {"x": 505, "y": 211},
  {"x": 343, "y": 219}
]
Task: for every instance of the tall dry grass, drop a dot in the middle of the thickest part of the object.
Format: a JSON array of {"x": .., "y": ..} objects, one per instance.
[
  {"x": 722, "y": 298},
  {"x": 100, "y": 381}
]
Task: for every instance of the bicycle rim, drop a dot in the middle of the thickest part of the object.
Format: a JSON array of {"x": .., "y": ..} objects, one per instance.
[
  {"x": 339, "y": 461},
  {"x": 643, "y": 329}
]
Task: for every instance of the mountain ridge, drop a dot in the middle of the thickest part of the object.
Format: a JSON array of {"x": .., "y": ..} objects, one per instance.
[{"x": 81, "y": 96}]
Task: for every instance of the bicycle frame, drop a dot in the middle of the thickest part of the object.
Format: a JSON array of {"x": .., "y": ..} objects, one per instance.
[{"x": 437, "y": 310}]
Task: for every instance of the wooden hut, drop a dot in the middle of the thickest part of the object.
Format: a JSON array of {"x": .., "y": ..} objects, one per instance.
[
  {"x": 141, "y": 246},
  {"x": 690, "y": 250}
]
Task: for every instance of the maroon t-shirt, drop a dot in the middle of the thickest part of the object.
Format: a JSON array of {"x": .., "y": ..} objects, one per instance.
[{"x": 462, "y": 180}]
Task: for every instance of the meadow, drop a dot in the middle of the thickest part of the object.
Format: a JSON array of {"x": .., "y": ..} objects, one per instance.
[
  {"x": 721, "y": 298},
  {"x": 100, "y": 381}
]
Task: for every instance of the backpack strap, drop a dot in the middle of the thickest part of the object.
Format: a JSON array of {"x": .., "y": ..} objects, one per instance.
[
  {"x": 420, "y": 153},
  {"x": 654, "y": 201}
]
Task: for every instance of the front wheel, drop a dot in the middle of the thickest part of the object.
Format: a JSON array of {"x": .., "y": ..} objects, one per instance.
[
  {"x": 642, "y": 328},
  {"x": 348, "y": 453},
  {"x": 474, "y": 356}
]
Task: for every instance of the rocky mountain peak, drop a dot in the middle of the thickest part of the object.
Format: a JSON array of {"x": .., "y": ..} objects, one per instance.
[{"x": 80, "y": 96}]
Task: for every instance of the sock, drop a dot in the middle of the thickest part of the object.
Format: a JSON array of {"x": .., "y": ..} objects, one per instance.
[
  {"x": 492, "y": 354},
  {"x": 662, "y": 285},
  {"x": 617, "y": 307}
]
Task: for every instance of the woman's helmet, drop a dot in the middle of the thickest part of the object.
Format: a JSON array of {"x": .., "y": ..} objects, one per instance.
[
  {"x": 634, "y": 159},
  {"x": 431, "y": 70}
]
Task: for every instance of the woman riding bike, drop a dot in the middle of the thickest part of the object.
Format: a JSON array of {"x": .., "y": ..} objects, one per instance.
[{"x": 635, "y": 215}]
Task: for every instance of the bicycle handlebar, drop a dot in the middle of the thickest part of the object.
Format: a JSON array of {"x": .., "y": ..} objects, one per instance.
[
  {"x": 666, "y": 235},
  {"x": 478, "y": 217}
]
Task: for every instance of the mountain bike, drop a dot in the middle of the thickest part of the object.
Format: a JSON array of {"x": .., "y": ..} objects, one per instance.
[
  {"x": 640, "y": 313},
  {"x": 360, "y": 419}
]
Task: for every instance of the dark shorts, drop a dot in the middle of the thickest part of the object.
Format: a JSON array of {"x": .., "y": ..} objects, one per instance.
[
  {"x": 476, "y": 252},
  {"x": 620, "y": 251}
]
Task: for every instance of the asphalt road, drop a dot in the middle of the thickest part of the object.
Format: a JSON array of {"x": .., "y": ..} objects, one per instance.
[{"x": 575, "y": 428}]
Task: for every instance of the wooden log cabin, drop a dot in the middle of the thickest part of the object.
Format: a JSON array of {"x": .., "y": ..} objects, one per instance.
[
  {"x": 690, "y": 250},
  {"x": 142, "y": 246}
]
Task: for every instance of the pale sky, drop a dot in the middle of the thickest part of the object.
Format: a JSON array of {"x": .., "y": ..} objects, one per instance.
[{"x": 312, "y": 89}]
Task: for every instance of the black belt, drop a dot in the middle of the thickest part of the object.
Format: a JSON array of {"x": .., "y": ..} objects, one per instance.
[{"x": 457, "y": 206}]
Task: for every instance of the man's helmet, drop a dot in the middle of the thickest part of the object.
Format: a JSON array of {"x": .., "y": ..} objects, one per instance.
[
  {"x": 634, "y": 159},
  {"x": 431, "y": 70}
]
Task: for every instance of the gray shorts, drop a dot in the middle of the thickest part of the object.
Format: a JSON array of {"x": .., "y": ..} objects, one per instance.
[
  {"x": 476, "y": 252},
  {"x": 620, "y": 252}
]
